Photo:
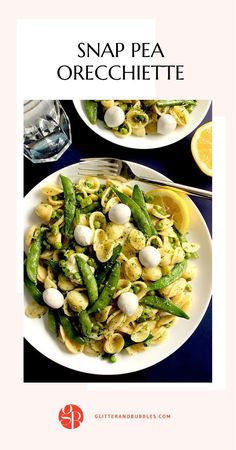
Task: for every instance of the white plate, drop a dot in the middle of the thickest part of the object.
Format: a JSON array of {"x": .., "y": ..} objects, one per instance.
[
  {"x": 37, "y": 334},
  {"x": 149, "y": 141}
]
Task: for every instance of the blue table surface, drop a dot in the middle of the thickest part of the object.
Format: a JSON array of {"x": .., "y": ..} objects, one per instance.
[{"x": 193, "y": 361}]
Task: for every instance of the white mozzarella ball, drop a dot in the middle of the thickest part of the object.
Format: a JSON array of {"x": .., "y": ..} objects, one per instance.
[
  {"x": 128, "y": 303},
  {"x": 166, "y": 124},
  {"x": 114, "y": 116},
  {"x": 83, "y": 235},
  {"x": 149, "y": 256},
  {"x": 53, "y": 298},
  {"x": 119, "y": 214}
]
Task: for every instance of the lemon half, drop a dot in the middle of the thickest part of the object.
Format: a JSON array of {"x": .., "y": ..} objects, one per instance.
[
  {"x": 201, "y": 146},
  {"x": 175, "y": 205}
]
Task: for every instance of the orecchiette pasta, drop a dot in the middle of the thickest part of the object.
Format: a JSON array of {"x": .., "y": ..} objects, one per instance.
[
  {"x": 78, "y": 301},
  {"x": 123, "y": 286},
  {"x": 103, "y": 315},
  {"x": 35, "y": 311},
  {"x": 51, "y": 190},
  {"x": 103, "y": 289},
  {"x": 151, "y": 273},
  {"x": 99, "y": 238},
  {"x": 114, "y": 343},
  {"x": 133, "y": 269},
  {"x": 140, "y": 288},
  {"x": 97, "y": 220},
  {"x": 114, "y": 231},
  {"x": 142, "y": 331},
  {"x": 64, "y": 283},
  {"x": 56, "y": 203},
  {"x": 180, "y": 114},
  {"x": 137, "y": 239},
  {"x": 44, "y": 211},
  {"x": 115, "y": 320},
  {"x": 30, "y": 234},
  {"x": 41, "y": 273},
  {"x": 136, "y": 348},
  {"x": 104, "y": 251},
  {"x": 89, "y": 184}
]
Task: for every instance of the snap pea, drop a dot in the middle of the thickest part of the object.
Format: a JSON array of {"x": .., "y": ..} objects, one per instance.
[
  {"x": 136, "y": 212},
  {"x": 138, "y": 197},
  {"x": 181, "y": 236},
  {"x": 91, "y": 108},
  {"x": 33, "y": 256},
  {"x": 85, "y": 323},
  {"x": 108, "y": 291},
  {"x": 182, "y": 239},
  {"x": 164, "y": 304},
  {"x": 164, "y": 281},
  {"x": 176, "y": 102},
  {"x": 77, "y": 216},
  {"x": 69, "y": 329},
  {"x": 54, "y": 265},
  {"x": 88, "y": 278},
  {"x": 53, "y": 322},
  {"x": 90, "y": 208},
  {"x": 101, "y": 277},
  {"x": 33, "y": 290},
  {"x": 70, "y": 204}
]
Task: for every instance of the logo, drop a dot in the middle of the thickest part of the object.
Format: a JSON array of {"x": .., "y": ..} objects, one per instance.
[{"x": 71, "y": 416}]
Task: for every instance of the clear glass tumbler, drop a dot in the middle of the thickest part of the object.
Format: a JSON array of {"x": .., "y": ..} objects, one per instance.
[{"x": 47, "y": 132}]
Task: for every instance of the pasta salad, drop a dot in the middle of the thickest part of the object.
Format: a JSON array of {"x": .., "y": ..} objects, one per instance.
[
  {"x": 108, "y": 267},
  {"x": 140, "y": 117}
]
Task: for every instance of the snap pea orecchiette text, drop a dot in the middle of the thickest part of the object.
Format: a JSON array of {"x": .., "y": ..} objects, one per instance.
[
  {"x": 140, "y": 117},
  {"x": 107, "y": 266}
]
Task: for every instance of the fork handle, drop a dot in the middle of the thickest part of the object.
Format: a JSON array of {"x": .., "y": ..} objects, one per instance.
[{"x": 179, "y": 187}]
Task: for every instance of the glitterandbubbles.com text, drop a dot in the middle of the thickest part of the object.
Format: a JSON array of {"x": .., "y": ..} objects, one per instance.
[{"x": 133, "y": 416}]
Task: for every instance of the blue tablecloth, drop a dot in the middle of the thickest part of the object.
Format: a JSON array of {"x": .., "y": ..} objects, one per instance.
[{"x": 193, "y": 361}]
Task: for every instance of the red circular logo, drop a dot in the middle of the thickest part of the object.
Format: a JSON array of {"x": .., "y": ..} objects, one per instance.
[{"x": 71, "y": 416}]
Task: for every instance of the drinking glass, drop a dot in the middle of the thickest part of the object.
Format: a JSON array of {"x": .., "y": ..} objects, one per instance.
[{"x": 47, "y": 131}]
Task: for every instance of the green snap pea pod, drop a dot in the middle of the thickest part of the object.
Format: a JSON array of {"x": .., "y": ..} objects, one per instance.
[
  {"x": 88, "y": 278},
  {"x": 77, "y": 216},
  {"x": 34, "y": 291},
  {"x": 91, "y": 108},
  {"x": 175, "y": 102},
  {"x": 90, "y": 208},
  {"x": 164, "y": 281},
  {"x": 108, "y": 291},
  {"x": 34, "y": 253},
  {"x": 182, "y": 239},
  {"x": 101, "y": 278},
  {"x": 139, "y": 199},
  {"x": 164, "y": 304},
  {"x": 136, "y": 212},
  {"x": 54, "y": 265},
  {"x": 53, "y": 322},
  {"x": 70, "y": 204},
  {"x": 85, "y": 323},
  {"x": 70, "y": 331},
  {"x": 181, "y": 236}
]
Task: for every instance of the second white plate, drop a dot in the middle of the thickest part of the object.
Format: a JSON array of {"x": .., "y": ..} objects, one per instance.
[{"x": 148, "y": 141}]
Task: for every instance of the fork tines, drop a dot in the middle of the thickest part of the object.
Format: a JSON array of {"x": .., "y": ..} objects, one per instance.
[{"x": 95, "y": 166}]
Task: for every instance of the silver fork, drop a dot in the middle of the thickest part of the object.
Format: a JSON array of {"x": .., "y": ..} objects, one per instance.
[{"x": 103, "y": 167}]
